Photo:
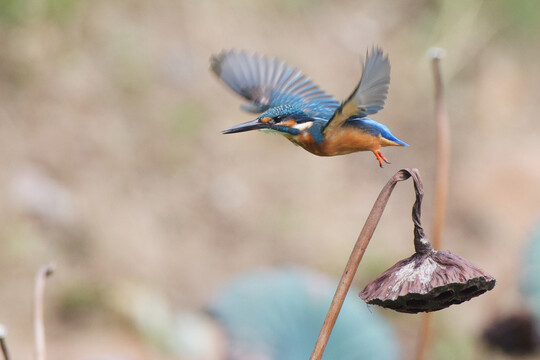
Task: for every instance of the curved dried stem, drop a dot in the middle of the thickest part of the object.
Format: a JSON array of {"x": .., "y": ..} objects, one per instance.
[
  {"x": 39, "y": 326},
  {"x": 421, "y": 244},
  {"x": 355, "y": 258}
]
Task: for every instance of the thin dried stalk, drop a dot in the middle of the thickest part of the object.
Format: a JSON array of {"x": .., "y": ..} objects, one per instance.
[
  {"x": 443, "y": 151},
  {"x": 39, "y": 326},
  {"x": 424, "y": 338},
  {"x": 441, "y": 183},
  {"x": 354, "y": 260}
]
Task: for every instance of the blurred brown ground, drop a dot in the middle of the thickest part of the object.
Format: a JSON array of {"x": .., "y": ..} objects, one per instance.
[{"x": 113, "y": 165}]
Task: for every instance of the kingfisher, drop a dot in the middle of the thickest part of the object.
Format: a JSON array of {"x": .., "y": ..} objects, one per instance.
[{"x": 290, "y": 104}]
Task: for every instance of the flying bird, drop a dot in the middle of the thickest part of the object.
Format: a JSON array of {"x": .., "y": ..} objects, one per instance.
[{"x": 290, "y": 104}]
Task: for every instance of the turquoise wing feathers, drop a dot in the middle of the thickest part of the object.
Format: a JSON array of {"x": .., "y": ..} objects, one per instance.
[
  {"x": 268, "y": 82},
  {"x": 369, "y": 95}
]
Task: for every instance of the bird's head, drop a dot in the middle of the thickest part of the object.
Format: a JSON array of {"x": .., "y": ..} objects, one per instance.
[{"x": 283, "y": 119}]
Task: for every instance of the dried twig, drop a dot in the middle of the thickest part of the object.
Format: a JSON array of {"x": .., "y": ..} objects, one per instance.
[
  {"x": 424, "y": 336},
  {"x": 441, "y": 183},
  {"x": 3, "y": 345},
  {"x": 354, "y": 260},
  {"x": 443, "y": 150},
  {"x": 39, "y": 327}
]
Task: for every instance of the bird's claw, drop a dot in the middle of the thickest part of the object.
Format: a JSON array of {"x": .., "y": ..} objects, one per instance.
[{"x": 381, "y": 158}]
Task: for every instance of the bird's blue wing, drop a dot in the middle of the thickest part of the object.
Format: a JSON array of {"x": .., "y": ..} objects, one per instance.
[
  {"x": 268, "y": 82},
  {"x": 369, "y": 95}
]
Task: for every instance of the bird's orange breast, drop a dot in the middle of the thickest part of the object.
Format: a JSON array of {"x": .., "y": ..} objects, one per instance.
[{"x": 340, "y": 142}]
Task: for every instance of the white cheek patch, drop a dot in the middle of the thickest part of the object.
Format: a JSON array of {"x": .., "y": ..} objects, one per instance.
[{"x": 303, "y": 126}]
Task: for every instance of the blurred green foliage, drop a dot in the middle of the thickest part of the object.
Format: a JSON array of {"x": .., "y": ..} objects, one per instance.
[
  {"x": 453, "y": 346},
  {"x": 188, "y": 118},
  {"x": 61, "y": 10},
  {"x": 12, "y": 11},
  {"x": 516, "y": 17},
  {"x": 82, "y": 301},
  {"x": 16, "y": 11}
]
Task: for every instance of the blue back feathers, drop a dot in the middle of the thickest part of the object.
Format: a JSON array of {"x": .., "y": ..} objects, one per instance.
[{"x": 374, "y": 128}]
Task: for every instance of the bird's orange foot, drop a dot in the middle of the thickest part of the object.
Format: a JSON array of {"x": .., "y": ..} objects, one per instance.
[{"x": 381, "y": 158}]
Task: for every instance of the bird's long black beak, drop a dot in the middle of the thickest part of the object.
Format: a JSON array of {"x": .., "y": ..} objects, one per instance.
[{"x": 247, "y": 126}]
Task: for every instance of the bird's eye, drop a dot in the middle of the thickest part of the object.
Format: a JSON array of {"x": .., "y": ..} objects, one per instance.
[{"x": 278, "y": 118}]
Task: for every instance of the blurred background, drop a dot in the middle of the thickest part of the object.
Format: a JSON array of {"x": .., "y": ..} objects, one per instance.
[{"x": 114, "y": 168}]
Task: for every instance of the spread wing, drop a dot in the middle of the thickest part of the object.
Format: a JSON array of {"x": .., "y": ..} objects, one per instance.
[
  {"x": 370, "y": 94},
  {"x": 267, "y": 82}
]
